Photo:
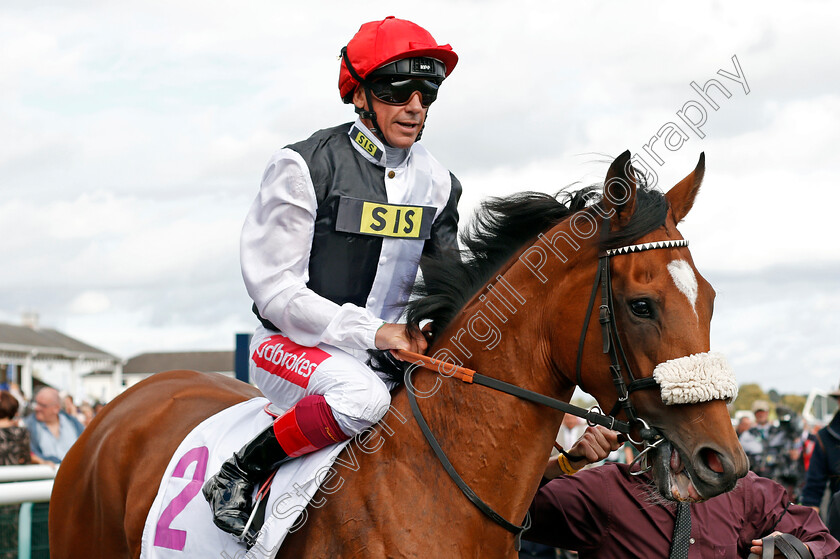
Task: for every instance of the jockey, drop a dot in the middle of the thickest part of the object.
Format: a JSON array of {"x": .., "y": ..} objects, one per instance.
[{"x": 329, "y": 250}]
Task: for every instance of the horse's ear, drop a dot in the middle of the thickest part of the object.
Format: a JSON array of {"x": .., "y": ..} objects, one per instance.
[
  {"x": 620, "y": 191},
  {"x": 681, "y": 196}
]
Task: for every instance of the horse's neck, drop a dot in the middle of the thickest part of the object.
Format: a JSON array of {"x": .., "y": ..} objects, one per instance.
[{"x": 498, "y": 443}]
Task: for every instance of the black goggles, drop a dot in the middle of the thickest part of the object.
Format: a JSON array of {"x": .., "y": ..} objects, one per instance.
[{"x": 397, "y": 90}]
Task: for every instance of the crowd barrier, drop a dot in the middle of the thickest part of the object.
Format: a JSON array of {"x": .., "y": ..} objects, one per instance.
[{"x": 24, "y": 510}]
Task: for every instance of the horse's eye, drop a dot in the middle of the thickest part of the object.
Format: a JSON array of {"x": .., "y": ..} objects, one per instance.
[{"x": 642, "y": 308}]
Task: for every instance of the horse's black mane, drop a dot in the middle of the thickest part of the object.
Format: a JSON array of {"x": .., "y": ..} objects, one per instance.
[{"x": 500, "y": 228}]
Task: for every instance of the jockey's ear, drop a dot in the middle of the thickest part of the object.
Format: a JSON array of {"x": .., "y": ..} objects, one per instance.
[
  {"x": 620, "y": 191},
  {"x": 681, "y": 196}
]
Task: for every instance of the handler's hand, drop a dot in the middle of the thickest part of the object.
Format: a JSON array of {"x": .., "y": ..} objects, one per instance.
[
  {"x": 758, "y": 546},
  {"x": 595, "y": 444},
  {"x": 397, "y": 336}
]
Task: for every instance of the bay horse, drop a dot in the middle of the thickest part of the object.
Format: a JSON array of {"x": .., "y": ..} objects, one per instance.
[{"x": 518, "y": 310}]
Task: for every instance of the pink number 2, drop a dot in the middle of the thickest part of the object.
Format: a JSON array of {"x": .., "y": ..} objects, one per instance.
[{"x": 171, "y": 538}]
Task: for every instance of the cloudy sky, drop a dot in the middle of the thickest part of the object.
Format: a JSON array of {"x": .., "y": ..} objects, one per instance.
[{"x": 133, "y": 137}]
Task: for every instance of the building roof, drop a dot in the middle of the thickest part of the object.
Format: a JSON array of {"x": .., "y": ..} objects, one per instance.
[
  {"x": 47, "y": 342},
  {"x": 201, "y": 361}
]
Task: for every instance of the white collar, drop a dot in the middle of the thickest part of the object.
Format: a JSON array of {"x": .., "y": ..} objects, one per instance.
[{"x": 372, "y": 148}]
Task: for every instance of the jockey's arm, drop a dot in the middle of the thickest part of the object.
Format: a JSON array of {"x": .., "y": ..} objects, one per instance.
[{"x": 275, "y": 249}]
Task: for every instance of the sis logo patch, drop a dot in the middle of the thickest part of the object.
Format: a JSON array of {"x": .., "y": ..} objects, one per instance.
[{"x": 384, "y": 220}]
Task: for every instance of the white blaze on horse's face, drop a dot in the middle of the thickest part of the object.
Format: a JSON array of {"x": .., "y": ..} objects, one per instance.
[{"x": 685, "y": 280}]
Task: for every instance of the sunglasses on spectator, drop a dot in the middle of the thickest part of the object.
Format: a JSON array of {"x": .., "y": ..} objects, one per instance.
[{"x": 398, "y": 90}]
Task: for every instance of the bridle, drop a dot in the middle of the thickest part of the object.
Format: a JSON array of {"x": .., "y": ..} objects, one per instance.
[
  {"x": 649, "y": 437},
  {"x": 612, "y": 345}
]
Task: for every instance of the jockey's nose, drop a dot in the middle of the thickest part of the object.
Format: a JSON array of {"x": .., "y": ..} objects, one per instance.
[{"x": 415, "y": 102}]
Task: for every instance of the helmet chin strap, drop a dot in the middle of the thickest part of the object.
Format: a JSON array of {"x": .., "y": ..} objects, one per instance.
[
  {"x": 368, "y": 114},
  {"x": 371, "y": 116}
]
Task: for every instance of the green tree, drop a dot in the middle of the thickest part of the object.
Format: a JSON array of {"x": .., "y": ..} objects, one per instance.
[{"x": 747, "y": 394}]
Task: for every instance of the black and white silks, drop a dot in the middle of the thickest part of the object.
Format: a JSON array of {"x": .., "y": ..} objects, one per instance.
[{"x": 320, "y": 285}]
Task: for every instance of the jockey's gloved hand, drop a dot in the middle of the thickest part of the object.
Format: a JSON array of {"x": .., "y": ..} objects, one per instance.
[{"x": 398, "y": 336}]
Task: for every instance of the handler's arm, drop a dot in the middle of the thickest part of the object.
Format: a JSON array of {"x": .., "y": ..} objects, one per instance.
[{"x": 593, "y": 446}]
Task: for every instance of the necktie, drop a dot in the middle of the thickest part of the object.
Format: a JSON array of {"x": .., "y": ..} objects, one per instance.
[{"x": 682, "y": 532}]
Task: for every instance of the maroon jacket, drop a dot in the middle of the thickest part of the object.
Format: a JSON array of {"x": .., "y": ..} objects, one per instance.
[{"x": 604, "y": 512}]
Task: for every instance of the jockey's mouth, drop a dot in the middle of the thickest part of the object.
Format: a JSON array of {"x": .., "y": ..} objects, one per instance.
[{"x": 408, "y": 124}]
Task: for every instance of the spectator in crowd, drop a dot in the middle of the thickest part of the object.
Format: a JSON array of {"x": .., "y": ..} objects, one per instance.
[
  {"x": 824, "y": 465},
  {"x": 774, "y": 449},
  {"x": 744, "y": 425},
  {"x": 14, "y": 389},
  {"x": 753, "y": 439},
  {"x": 14, "y": 438},
  {"x": 809, "y": 442},
  {"x": 52, "y": 431},
  {"x": 605, "y": 512},
  {"x": 69, "y": 406},
  {"x": 86, "y": 413},
  {"x": 14, "y": 451}
]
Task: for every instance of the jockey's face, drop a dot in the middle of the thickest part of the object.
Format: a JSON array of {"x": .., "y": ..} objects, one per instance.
[{"x": 400, "y": 124}]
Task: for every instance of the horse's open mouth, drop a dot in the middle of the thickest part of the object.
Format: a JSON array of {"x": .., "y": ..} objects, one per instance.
[{"x": 673, "y": 475}]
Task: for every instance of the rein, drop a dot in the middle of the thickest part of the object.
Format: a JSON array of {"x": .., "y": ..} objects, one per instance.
[{"x": 594, "y": 416}]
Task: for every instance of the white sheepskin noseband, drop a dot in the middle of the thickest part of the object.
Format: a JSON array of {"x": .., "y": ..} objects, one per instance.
[{"x": 692, "y": 379}]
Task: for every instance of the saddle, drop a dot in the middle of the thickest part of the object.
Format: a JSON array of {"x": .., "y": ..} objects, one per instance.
[{"x": 788, "y": 545}]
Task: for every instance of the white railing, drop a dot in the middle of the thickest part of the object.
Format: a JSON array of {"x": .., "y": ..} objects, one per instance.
[
  {"x": 26, "y": 473},
  {"x": 21, "y": 484},
  {"x": 25, "y": 485},
  {"x": 26, "y": 492}
]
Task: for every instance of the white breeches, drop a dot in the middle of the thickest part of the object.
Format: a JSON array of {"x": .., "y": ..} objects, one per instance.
[{"x": 286, "y": 372}]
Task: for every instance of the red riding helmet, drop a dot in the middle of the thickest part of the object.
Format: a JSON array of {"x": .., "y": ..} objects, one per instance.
[{"x": 379, "y": 42}]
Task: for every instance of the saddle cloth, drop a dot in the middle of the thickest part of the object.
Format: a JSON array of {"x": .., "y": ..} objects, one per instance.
[{"x": 180, "y": 524}]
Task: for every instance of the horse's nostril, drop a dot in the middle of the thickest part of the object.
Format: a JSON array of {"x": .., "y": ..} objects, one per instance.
[{"x": 712, "y": 460}]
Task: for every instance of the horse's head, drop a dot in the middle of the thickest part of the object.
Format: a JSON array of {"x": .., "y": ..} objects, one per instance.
[
  {"x": 537, "y": 270},
  {"x": 657, "y": 317}
]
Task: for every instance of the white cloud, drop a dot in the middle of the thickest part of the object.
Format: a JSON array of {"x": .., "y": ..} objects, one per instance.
[{"x": 90, "y": 302}]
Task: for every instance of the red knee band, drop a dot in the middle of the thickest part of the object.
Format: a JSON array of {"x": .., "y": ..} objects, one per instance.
[{"x": 308, "y": 426}]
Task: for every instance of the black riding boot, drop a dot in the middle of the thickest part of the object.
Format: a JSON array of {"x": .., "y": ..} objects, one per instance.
[{"x": 229, "y": 491}]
